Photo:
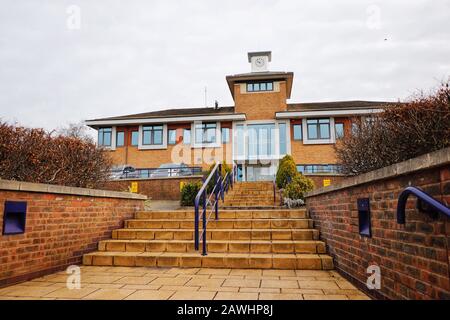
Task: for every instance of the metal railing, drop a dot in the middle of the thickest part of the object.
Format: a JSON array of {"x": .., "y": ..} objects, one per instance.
[
  {"x": 221, "y": 186},
  {"x": 143, "y": 173},
  {"x": 425, "y": 203}
]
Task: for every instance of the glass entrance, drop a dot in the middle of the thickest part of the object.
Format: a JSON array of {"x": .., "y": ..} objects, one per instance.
[
  {"x": 239, "y": 172},
  {"x": 259, "y": 172}
]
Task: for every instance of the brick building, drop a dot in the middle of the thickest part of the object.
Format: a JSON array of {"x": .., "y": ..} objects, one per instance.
[{"x": 254, "y": 134}]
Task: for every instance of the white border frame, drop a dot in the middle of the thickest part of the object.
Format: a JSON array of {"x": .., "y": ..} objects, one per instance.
[
  {"x": 113, "y": 139},
  {"x": 216, "y": 144},
  {"x": 141, "y": 146},
  {"x": 332, "y": 139}
]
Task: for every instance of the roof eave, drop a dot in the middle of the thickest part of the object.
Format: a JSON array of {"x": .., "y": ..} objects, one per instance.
[
  {"x": 326, "y": 112},
  {"x": 96, "y": 123}
]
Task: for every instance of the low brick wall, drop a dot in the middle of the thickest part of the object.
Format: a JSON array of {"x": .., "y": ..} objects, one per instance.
[
  {"x": 154, "y": 188},
  {"x": 62, "y": 224},
  {"x": 318, "y": 179},
  {"x": 414, "y": 258}
]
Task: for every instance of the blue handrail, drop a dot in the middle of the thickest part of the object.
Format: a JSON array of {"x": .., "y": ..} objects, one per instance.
[
  {"x": 221, "y": 186},
  {"x": 422, "y": 196}
]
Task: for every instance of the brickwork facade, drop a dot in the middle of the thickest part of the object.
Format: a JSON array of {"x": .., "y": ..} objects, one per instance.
[
  {"x": 154, "y": 189},
  {"x": 60, "y": 228},
  {"x": 414, "y": 258},
  {"x": 260, "y": 105}
]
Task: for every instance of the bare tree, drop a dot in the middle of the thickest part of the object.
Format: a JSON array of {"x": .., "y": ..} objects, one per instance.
[
  {"x": 402, "y": 131},
  {"x": 66, "y": 158}
]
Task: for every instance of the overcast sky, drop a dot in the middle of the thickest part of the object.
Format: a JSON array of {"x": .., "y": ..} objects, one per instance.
[{"x": 67, "y": 61}]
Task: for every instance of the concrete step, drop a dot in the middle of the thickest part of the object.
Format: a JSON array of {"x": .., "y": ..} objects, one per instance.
[
  {"x": 215, "y": 246},
  {"x": 248, "y": 203},
  {"x": 254, "y": 213},
  {"x": 217, "y": 234},
  {"x": 212, "y": 260},
  {"x": 253, "y": 207},
  {"x": 280, "y": 223}
]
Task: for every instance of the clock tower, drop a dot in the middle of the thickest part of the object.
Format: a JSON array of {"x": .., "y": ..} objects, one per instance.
[{"x": 259, "y": 60}]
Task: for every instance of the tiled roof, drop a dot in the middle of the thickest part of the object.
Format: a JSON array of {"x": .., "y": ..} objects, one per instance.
[
  {"x": 174, "y": 113},
  {"x": 333, "y": 105},
  {"x": 309, "y": 106}
]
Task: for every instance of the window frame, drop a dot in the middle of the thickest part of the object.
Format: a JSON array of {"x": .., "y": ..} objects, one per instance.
[
  {"x": 117, "y": 138},
  {"x": 339, "y": 136},
  {"x": 300, "y": 126},
  {"x": 184, "y": 136},
  {"x": 101, "y": 133},
  {"x": 202, "y": 143},
  {"x": 312, "y": 169},
  {"x": 319, "y": 139},
  {"x": 137, "y": 138},
  {"x": 252, "y": 85},
  {"x": 169, "y": 138},
  {"x": 225, "y": 136},
  {"x": 151, "y": 129},
  {"x": 318, "y": 128}
]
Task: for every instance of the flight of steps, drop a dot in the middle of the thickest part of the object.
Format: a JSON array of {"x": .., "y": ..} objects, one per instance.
[
  {"x": 252, "y": 194},
  {"x": 263, "y": 238}
]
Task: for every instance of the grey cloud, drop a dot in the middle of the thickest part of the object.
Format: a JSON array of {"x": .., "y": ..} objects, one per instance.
[{"x": 137, "y": 56}]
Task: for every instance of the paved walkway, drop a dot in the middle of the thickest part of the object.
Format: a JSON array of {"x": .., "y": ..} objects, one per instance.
[{"x": 118, "y": 283}]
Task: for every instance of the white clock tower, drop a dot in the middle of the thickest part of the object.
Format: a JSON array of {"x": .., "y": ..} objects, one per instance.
[{"x": 259, "y": 60}]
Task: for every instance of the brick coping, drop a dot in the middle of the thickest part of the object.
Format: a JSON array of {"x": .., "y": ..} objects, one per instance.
[
  {"x": 11, "y": 185},
  {"x": 159, "y": 178},
  {"x": 426, "y": 161}
]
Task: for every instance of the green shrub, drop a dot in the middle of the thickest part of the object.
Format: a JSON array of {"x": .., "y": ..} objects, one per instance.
[
  {"x": 189, "y": 192},
  {"x": 287, "y": 170},
  {"x": 297, "y": 187}
]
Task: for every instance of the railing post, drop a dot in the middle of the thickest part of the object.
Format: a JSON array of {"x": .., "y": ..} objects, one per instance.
[
  {"x": 204, "y": 224},
  {"x": 217, "y": 190},
  {"x": 196, "y": 223}
]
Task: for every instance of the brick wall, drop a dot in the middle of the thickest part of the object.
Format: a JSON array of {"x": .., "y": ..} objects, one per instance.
[
  {"x": 155, "y": 188},
  {"x": 414, "y": 258},
  {"x": 260, "y": 105},
  {"x": 61, "y": 226},
  {"x": 318, "y": 179}
]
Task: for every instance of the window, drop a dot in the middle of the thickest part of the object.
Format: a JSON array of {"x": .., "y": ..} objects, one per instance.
[
  {"x": 172, "y": 136},
  {"x": 205, "y": 133},
  {"x": 339, "y": 128},
  {"x": 355, "y": 128},
  {"x": 282, "y": 131},
  {"x": 104, "y": 137},
  {"x": 297, "y": 131},
  {"x": 134, "y": 138},
  {"x": 152, "y": 135},
  {"x": 240, "y": 140},
  {"x": 225, "y": 135},
  {"x": 187, "y": 136},
  {"x": 261, "y": 140},
  {"x": 259, "y": 86},
  {"x": 120, "y": 138},
  {"x": 318, "y": 168},
  {"x": 318, "y": 128}
]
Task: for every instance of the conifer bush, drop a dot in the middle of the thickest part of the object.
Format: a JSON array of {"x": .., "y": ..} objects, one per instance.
[
  {"x": 189, "y": 192},
  {"x": 287, "y": 170}
]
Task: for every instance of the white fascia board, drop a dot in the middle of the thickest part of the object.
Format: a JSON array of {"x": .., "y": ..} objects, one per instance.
[
  {"x": 325, "y": 113},
  {"x": 228, "y": 117}
]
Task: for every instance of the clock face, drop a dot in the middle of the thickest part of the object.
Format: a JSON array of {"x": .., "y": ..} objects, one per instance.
[{"x": 259, "y": 62}]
